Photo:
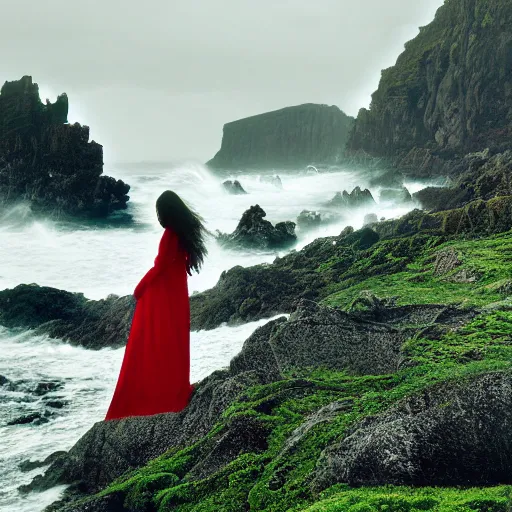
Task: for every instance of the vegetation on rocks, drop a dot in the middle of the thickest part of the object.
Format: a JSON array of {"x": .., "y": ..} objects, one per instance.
[{"x": 267, "y": 450}]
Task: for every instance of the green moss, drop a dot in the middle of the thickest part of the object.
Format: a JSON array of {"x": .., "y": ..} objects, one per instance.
[
  {"x": 278, "y": 479},
  {"x": 404, "y": 269},
  {"x": 488, "y": 337},
  {"x": 405, "y": 499}
]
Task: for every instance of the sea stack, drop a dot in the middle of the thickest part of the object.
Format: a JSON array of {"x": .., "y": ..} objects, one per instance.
[{"x": 48, "y": 162}]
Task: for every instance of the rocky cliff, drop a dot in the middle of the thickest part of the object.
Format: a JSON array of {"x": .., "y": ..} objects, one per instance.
[
  {"x": 49, "y": 162},
  {"x": 293, "y": 136},
  {"x": 449, "y": 93}
]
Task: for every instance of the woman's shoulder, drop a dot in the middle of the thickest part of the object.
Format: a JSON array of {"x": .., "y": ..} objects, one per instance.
[
  {"x": 169, "y": 233},
  {"x": 169, "y": 236}
]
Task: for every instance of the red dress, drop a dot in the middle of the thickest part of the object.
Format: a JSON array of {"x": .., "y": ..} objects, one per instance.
[{"x": 155, "y": 375}]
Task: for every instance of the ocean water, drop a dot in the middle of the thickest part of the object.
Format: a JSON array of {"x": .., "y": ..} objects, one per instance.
[{"x": 99, "y": 260}]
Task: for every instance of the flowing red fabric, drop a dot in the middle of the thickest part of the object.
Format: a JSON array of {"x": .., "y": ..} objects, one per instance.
[{"x": 155, "y": 374}]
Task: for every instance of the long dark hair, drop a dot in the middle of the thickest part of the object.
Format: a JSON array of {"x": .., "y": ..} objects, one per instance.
[{"x": 174, "y": 214}]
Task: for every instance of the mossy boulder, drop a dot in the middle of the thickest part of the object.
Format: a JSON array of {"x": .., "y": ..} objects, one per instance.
[{"x": 452, "y": 434}]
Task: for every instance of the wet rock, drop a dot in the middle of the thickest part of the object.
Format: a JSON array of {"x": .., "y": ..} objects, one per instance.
[
  {"x": 370, "y": 218},
  {"x": 439, "y": 198},
  {"x": 365, "y": 341},
  {"x": 234, "y": 187},
  {"x": 4, "y": 380},
  {"x": 36, "y": 418},
  {"x": 477, "y": 176},
  {"x": 323, "y": 337},
  {"x": 256, "y": 354},
  {"x": 435, "y": 317},
  {"x": 110, "y": 448},
  {"x": 309, "y": 220},
  {"x": 457, "y": 433},
  {"x": 50, "y": 163},
  {"x": 43, "y": 388},
  {"x": 56, "y": 404},
  {"x": 243, "y": 434},
  {"x": 272, "y": 180},
  {"x": 477, "y": 217},
  {"x": 68, "y": 316},
  {"x": 110, "y": 503},
  {"x": 29, "y": 465},
  {"x": 356, "y": 199},
  {"x": 253, "y": 231}
]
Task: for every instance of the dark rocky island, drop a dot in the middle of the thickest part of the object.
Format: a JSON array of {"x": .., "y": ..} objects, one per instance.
[
  {"x": 356, "y": 199},
  {"x": 234, "y": 188},
  {"x": 254, "y": 231},
  {"x": 292, "y": 137},
  {"x": 48, "y": 162}
]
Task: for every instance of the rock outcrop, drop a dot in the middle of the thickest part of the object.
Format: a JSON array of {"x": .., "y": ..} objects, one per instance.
[
  {"x": 262, "y": 291},
  {"x": 480, "y": 175},
  {"x": 313, "y": 337},
  {"x": 309, "y": 220},
  {"x": 454, "y": 434},
  {"x": 253, "y": 231},
  {"x": 288, "y": 138},
  {"x": 356, "y": 199},
  {"x": 48, "y": 162},
  {"x": 68, "y": 316},
  {"x": 110, "y": 448},
  {"x": 245, "y": 294},
  {"x": 234, "y": 187},
  {"x": 448, "y": 93}
]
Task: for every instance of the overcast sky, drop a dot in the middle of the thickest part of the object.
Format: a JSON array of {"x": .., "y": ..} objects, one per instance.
[{"x": 157, "y": 79}]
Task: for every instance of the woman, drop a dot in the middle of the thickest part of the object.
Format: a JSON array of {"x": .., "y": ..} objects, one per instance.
[{"x": 155, "y": 375}]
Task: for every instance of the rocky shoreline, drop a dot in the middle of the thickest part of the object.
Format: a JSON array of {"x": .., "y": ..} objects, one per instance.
[
  {"x": 234, "y": 413},
  {"x": 262, "y": 291},
  {"x": 327, "y": 360}
]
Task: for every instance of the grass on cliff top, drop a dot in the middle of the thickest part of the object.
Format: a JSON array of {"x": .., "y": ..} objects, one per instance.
[
  {"x": 405, "y": 499},
  {"x": 278, "y": 478},
  {"x": 404, "y": 269}
]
